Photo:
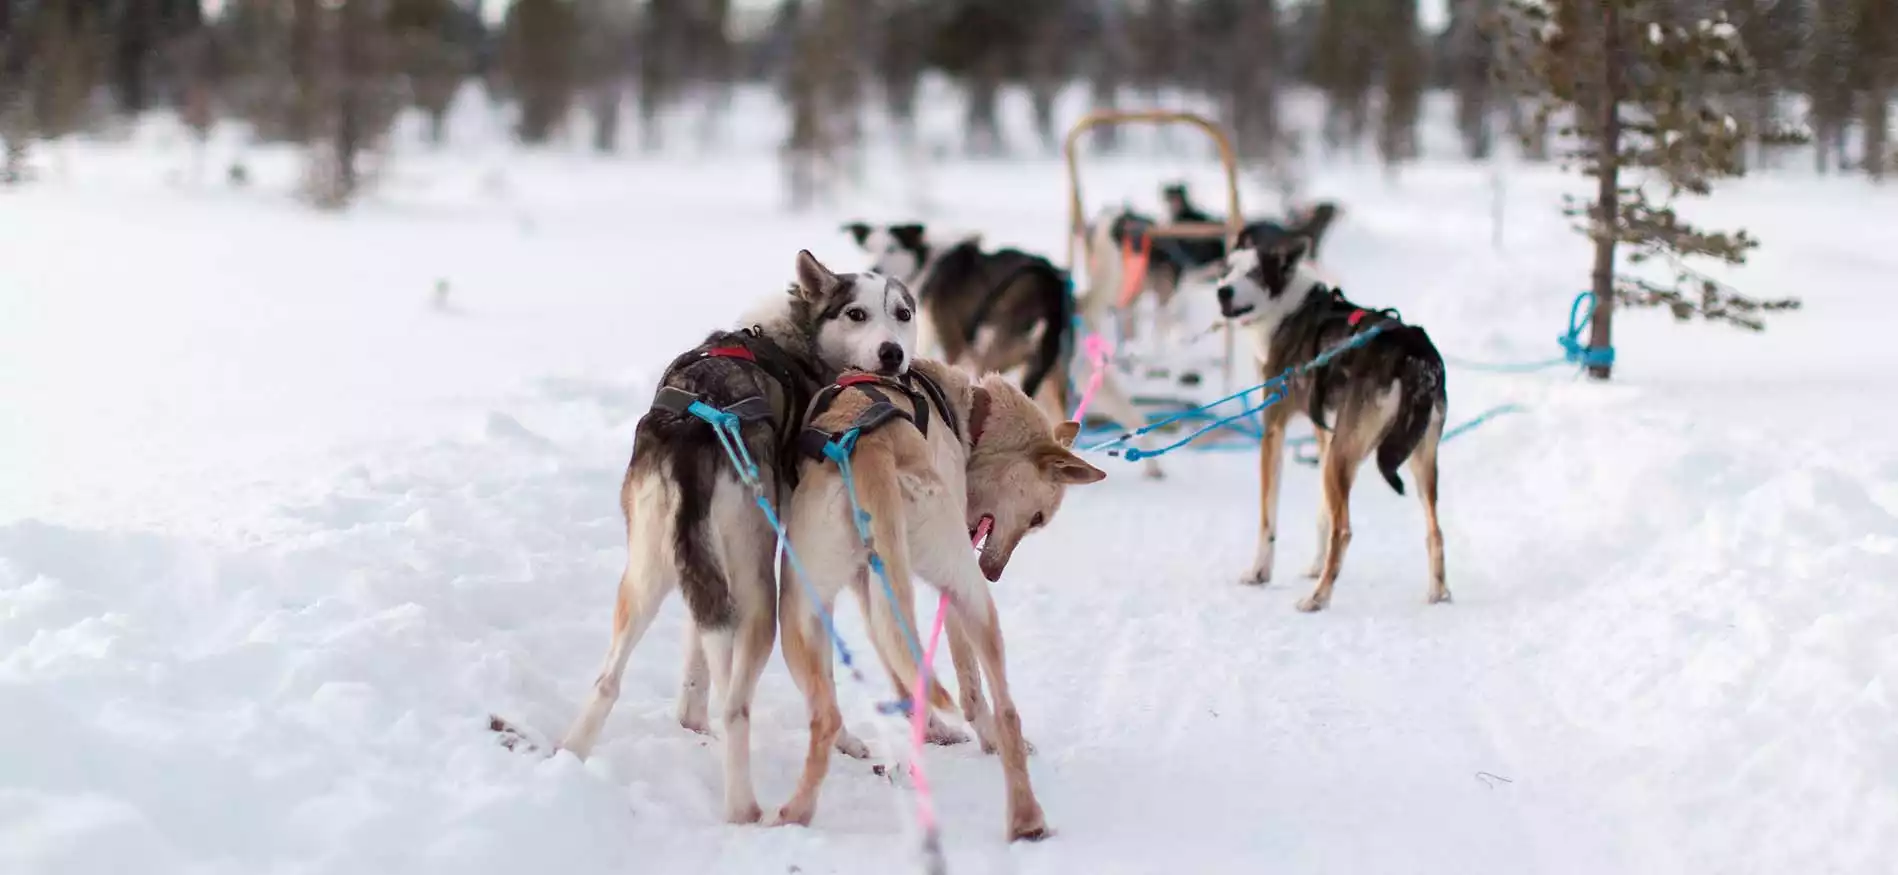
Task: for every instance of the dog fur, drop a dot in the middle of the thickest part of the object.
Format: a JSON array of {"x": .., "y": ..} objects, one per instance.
[
  {"x": 925, "y": 494},
  {"x": 691, "y": 523},
  {"x": 1386, "y": 397},
  {"x": 986, "y": 311}
]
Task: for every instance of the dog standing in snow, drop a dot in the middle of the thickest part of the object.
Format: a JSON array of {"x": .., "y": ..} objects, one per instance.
[
  {"x": 1385, "y": 397},
  {"x": 691, "y": 522},
  {"x": 931, "y": 467}
]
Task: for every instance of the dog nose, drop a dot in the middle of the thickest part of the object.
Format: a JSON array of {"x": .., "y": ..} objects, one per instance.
[
  {"x": 1225, "y": 294},
  {"x": 890, "y": 356}
]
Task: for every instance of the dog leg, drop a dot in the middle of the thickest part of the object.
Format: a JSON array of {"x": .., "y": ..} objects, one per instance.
[
  {"x": 1025, "y": 817},
  {"x": 975, "y": 706},
  {"x": 643, "y": 587},
  {"x": 942, "y": 557},
  {"x": 1271, "y": 458},
  {"x": 807, "y": 656},
  {"x": 1338, "y": 468},
  {"x": 1324, "y": 515},
  {"x": 694, "y": 688},
  {"x": 738, "y": 657},
  {"x": 1423, "y": 469}
]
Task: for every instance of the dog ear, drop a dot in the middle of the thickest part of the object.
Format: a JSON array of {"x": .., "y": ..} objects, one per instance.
[
  {"x": 1245, "y": 240},
  {"x": 910, "y": 235},
  {"x": 1292, "y": 249},
  {"x": 1069, "y": 469},
  {"x": 858, "y": 230},
  {"x": 813, "y": 278},
  {"x": 1065, "y": 432}
]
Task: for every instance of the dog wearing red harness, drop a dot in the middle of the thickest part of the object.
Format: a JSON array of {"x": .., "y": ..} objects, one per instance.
[
  {"x": 936, "y": 457},
  {"x": 1385, "y": 397},
  {"x": 720, "y": 434}
]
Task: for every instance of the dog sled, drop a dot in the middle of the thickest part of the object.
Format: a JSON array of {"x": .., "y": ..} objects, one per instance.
[{"x": 1105, "y": 299}]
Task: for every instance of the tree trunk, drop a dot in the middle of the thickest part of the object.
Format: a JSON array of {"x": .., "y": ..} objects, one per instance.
[
  {"x": 606, "y": 103},
  {"x": 1608, "y": 191},
  {"x": 1877, "y": 130}
]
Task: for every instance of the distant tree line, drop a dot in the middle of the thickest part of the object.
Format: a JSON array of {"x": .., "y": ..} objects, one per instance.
[{"x": 332, "y": 74}]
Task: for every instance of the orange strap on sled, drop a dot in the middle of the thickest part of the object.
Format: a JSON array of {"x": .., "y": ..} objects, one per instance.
[{"x": 1133, "y": 266}]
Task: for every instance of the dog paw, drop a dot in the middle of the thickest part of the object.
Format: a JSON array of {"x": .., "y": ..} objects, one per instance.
[
  {"x": 941, "y": 733},
  {"x": 852, "y": 746},
  {"x": 1440, "y": 595},
  {"x": 1151, "y": 471},
  {"x": 696, "y": 722},
  {"x": 744, "y": 813},
  {"x": 1311, "y": 604},
  {"x": 793, "y": 814},
  {"x": 1029, "y": 826},
  {"x": 1317, "y": 568},
  {"x": 1258, "y": 575}
]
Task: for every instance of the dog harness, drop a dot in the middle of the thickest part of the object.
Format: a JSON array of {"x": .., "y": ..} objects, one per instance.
[
  {"x": 756, "y": 350},
  {"x": 882, "y": 410}
]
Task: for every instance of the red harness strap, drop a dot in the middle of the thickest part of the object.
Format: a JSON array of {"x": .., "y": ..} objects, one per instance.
[
  {"x": 858, "y": 379},
  {"x": 1356, "y": 317},
  {"x": 730, "y": 352}
]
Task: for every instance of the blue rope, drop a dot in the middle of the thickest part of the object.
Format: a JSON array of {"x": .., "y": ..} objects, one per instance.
[
  {"x": 1580, "y": 315},
  {"x": 839, "y": 451},
  {"x": 726, "y": 426},
  {"x": 1274, "y": 392}
]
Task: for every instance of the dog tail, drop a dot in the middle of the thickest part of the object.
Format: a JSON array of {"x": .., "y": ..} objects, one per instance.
[
  {"x": 892, "y": 625},
  {"x": 1420, "y": 395},
  {"x": 1056, "y": 336}
]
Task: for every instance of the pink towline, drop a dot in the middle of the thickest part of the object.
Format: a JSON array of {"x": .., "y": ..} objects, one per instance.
[{"x": 1098, "y": 351}]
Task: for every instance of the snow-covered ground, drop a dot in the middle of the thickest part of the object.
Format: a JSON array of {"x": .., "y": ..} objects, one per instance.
[{"x": 277, "y": 535}]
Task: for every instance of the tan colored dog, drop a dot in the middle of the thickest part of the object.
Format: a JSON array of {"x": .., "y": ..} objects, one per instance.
[{"x": 992, "y": 454}]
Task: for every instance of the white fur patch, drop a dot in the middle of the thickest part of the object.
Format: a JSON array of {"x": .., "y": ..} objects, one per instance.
[{"x": 880, "y": 312}]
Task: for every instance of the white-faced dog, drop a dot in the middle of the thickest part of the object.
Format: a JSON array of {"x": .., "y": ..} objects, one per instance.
[
  {"x": 999, "y": 311},
  {"x": 1386, "y": 397},
  {"x": 691, "y": 521}
]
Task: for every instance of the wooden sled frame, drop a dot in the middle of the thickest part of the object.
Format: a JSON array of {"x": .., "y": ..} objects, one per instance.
[{"x": 1229, "y": 230}]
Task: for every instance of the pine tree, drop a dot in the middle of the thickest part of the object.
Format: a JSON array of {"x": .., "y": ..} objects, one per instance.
[
  {"x": 1400, "y": 46},
  {"x": 1471, "y": 62},
  {"x": 1619, "y": 69},
  {"x": 431, "y": 62},
  {"x": 1342, "y": 69},
  {"x": 1874, "y": 75},
  {"x": 1829, "y": 79},
  {"x": 538, "y": 54}
]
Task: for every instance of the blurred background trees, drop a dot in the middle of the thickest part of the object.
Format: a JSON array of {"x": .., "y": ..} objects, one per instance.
[{"x": 332, "y": 75}]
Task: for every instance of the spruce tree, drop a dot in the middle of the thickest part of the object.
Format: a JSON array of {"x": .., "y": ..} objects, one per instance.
[{"x": 1616, "y": 69}]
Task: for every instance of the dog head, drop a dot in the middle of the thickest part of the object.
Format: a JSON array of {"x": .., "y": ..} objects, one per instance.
[
  {"x": 1177, "y": 201},
  {"x": 1019, "y": 471},
  {"x": 862, "y": 320},
  {"x": 894, "y": 250},
  {"x": 1264, "y": 281}
]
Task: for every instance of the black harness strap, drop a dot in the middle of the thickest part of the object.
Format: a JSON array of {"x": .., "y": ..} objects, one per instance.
[
  {"x": 812, "y": 440},
  {"x": 1358, "y": 318}
]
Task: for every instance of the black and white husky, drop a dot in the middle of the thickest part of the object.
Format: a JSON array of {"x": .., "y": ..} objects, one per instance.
[
  {"x": 691, "y": 522},
  {"x": 1385, "y": 397},
  {"x": 998, "y": 310}
]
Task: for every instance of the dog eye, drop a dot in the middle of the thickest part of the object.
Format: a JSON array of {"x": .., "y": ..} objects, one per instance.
[
  {"x": 856, "y": 314},
  {"x": 903, "y": 314},
  {"x": 1037, "y": 521}
]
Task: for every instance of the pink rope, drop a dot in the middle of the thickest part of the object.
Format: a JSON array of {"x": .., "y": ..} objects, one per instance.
[{"x": 1098, "y": 350}]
